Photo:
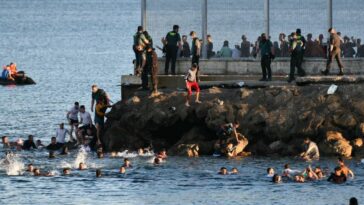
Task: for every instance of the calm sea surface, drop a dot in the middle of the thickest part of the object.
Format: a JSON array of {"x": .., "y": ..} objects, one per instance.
[{"x": 68, "y": 45}]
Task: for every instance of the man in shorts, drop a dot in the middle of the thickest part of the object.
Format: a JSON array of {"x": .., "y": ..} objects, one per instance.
[{"x": 72, "y": 117}]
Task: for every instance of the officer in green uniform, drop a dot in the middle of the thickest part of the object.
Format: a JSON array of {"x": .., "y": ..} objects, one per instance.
[
  {"x": 172, "y": 42},
  {"x": 195, "y": 48},
  {"x": 296, "y": 49},
  {"x": 301, "y": 51}
]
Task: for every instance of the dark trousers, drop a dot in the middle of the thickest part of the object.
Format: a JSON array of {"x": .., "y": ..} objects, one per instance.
[
  {"x": 266, "y": 69},
  {"x": 195, "y": 59},
  {"x": 335, "y": 54},
  {"x": 171, "y": 56},
  {"x": 296, "y": 61},
  {"x": 138, "y": 61},
  {"x": 145, "y": 73}
]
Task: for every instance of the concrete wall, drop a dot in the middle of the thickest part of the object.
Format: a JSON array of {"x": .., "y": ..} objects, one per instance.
[{"x": 250, "y": 66}]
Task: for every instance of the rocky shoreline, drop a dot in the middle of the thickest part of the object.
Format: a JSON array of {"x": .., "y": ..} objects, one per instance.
[{"x": 274, "y": 120}]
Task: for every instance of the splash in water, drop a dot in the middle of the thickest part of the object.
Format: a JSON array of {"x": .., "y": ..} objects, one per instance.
[
  {"x": 81, "y": 157},
  {"x": 12, "y": 164}
]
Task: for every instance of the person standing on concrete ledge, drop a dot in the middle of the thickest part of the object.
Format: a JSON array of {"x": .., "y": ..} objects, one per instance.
[
  {"x": 334, "y": 52},
  {"x": 195, "y": 48},
  {"x": 192, "y": 82},
  {"x": 267, "y": 54},
  {"x": 172, "y": 42},
  {"x": 296, "y": 49},
  {"x": 140, "y": 41}
]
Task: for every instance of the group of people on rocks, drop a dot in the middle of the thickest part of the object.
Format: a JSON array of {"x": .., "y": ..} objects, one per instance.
[
  {"x": 10, "y": 72},
  {"x": 340, "y": 175}
]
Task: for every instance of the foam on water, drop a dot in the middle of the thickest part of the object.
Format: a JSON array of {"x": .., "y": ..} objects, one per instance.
[
  {"x": 13, "y": 165},
  {"x": 81, "y": 157}
]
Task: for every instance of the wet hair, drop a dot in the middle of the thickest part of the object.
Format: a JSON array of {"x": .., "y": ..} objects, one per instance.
[
  {"x": 98, "y": 172},
  {"x": 94, "y": 86},
  {"x": 51, "y": 155},
  {"x": 286, "y": 166},
  {"x": 223, "y": 168},
  {"x": 175, "y": 27},
  {"x": 66, "y": 169},
  {"x": 3, "y": 137},
  {"x": 330, "y": 29},
  {"x": 157, "y": 160},
  {"x": 82, "y": 107},
  {"x": 126, "y": 159},
  {"x": 275, "y": 178},
  {"x": 337, "y": 169},
  {"x": 340, "y": 159},
  {"x": 140, "y": 28},
  {"x": 208, "y": 36},
  {"x": 353, "y": 201},
  {"x": 270, "y": 168},
  {"x": 194, "y": 65}
]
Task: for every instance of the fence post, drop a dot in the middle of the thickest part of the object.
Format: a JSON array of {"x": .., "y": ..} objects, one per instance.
[
  {"x": 204, "y": 27},
  {"x": 329, "y": 14},
  {"x": 144, "y": 14},
  {"x": 266, "y": 18}
]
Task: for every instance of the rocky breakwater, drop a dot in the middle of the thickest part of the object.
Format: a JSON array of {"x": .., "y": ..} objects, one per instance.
[{"x": 274, "y": 120}]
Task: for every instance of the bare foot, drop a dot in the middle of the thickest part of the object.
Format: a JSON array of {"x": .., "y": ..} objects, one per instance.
[
  {"x": 187, "y": 104},
  {"x": 197, "y": 101}
]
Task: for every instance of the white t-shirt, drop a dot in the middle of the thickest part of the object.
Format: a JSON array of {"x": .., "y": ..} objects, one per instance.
[
  {"x": 61, "y": 135},
  {"x": 73, "y": 113},
  {"x": 85, "y": 118}
]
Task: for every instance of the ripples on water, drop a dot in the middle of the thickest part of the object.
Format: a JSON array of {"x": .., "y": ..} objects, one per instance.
[
  {"x": 66, "y": 46},
  {"x": 177, "y": 181}
]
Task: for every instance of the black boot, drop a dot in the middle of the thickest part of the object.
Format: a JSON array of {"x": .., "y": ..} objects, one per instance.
[
  {"x": 291, "y": 79},
  {"x": 341, "y": 73},
  {"x": 325, "y": 72}
]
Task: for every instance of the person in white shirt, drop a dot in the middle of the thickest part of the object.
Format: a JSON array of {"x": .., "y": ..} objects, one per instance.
[
  {"x": 312, "y": 151},
  {"x": 236, "y": 52},
  {"x": 86, "y": 121},
  {"x": 72, "y": 117},
  {"x": 61, "y": 133}
]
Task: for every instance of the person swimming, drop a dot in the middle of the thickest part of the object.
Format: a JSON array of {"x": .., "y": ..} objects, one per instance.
[
  {"x": 100, "y": 155},
  {"x": 277, "y": 179},
  {"x": 81, "y": 166},
  {"x": 345, "y": 170},
  {"x": 66, "y": 171},
  {"x": 299, "y": 178},
  {"x": 157, "y": 161},
  {"x": 51, "y": 155},
  {"x": 223, "y": 171},
  {"x": 318, "y": 171},
  {"x": 270, "y": 172},
  {"x": 122, "y": 170},
  {"x": 162, "y": 154},
  {"x": 288, "y": 172},
  {"x": 337, "y": 177},
  {"x": 234, "y": 171},
  {"x": 30, "y": 168},
  {"x": 309, "y": 174},
  {"x": 127, "y": 163},
  {"x": 98, "y": 173}
]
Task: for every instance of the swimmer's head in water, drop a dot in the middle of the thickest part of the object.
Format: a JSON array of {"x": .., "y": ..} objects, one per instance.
[
  {"x": 140, "y": 151},
  {"x": 36, "y": 172},
  {"x": 338, "y": 171},
  {"x": 81, "y": 166},
  {"x": 66, "y": 171},
  {"x": 270, "y": 171},
  {"x": 52, "y": 155},
  {"x": 5, "y": 139},
  {"x": 223, "y": 171},
  {"x": 157, "y": 160},
  {"x": 100, "y": 155},
  {"x": 30, "y": 168},
  {"x": 234, "y": 170},
  {"x": 98, "y": 173},
  {"x": 276, "y": 179},
  {"x": 299, "y": 178},
  {"x": 53, "y": 140},
  {"x": 122, "y": 170}
]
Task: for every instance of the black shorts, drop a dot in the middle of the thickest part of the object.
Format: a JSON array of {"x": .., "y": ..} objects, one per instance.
[
  {"x": 73, "y": 121},
  {"x": 85, "y": 127}
]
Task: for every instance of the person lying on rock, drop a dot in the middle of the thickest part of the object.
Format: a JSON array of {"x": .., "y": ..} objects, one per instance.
[
  {"x": 192, "y": 80},
  {"x": 312, "y": 151}
]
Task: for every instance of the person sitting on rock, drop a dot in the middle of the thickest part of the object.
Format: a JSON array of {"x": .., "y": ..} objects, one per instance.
[
  {"x": 192, "y": 80},
  {"x": 223, "y": 171},
  {"x": 338, "y": 177},
  {"x": 312, "y": 151},
  {"x": 345, "y": 170}
]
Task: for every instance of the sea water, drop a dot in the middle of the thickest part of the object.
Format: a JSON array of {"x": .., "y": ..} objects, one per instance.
[{"x": 68, "y": 45}]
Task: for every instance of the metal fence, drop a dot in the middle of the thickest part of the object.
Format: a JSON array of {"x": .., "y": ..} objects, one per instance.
[{"x": 231, "y": 19}]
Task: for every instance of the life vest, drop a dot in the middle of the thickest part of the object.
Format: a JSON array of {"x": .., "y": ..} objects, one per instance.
[
  {"x": 101, "y": 109},
  {"x": 5, "y": 74}
]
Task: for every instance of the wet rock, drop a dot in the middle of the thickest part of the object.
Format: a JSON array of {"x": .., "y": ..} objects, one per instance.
[{"x": 335, "y": 144}]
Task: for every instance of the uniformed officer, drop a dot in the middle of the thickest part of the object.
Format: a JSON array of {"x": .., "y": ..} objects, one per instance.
[
  {"x": 334, "y": 52},
  {"x": 172, "y": 42}
]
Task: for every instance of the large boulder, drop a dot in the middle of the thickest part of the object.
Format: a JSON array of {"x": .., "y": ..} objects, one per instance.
[{"x": 335, "y": 144}]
